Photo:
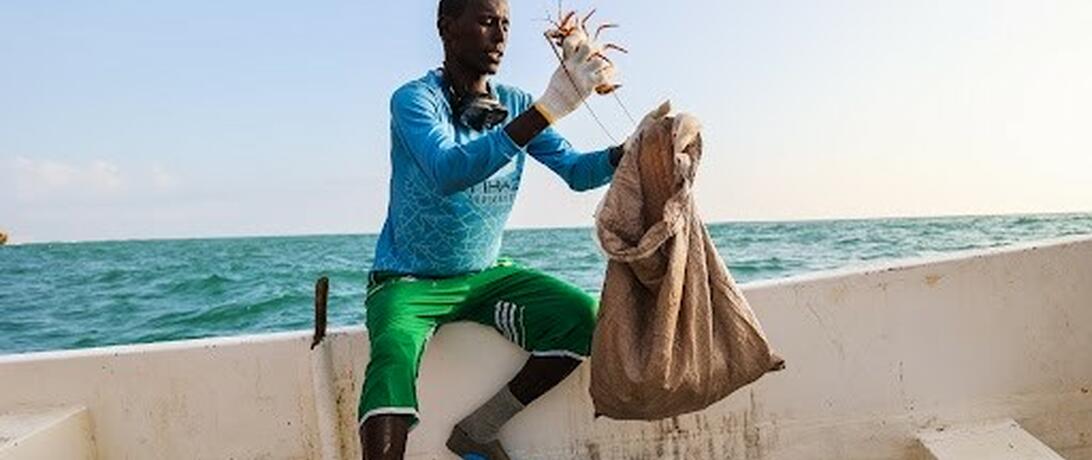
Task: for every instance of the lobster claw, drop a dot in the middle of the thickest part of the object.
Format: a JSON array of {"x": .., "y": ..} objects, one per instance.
[{"x": 607, "y": 88}]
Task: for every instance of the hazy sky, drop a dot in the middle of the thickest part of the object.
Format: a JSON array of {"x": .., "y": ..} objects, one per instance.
[{"x": 138, "y": 119}]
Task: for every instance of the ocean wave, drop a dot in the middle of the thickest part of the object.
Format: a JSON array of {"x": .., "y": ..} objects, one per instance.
[
  {"x": 230, "y": 315},
  {"x": 209, "y": 284}
]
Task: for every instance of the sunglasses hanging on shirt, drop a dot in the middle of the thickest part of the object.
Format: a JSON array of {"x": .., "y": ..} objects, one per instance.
[{"x": 479, "y": 112}]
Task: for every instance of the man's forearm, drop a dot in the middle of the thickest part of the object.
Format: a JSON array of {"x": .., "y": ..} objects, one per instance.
[{"x": 526, "y": 126}]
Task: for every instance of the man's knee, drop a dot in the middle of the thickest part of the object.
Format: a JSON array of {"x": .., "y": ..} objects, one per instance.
[
  {"x": 575, "y": 324},
  {"x": 583, "y": 313}
]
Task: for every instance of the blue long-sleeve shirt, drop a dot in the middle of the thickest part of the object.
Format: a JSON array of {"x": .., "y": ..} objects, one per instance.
[{"x": 452, "y": 187}]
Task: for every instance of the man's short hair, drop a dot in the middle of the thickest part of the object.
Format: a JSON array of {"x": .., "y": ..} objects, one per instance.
[{"x": 451, "y": 8}]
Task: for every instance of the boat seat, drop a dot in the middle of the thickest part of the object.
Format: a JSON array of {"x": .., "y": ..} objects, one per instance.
[
  {"x": 995, "y": 440},
  {"x": 55, "y": 433}
]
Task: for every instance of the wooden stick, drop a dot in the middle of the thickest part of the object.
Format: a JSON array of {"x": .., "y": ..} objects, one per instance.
[{"x": 322, "y": 291}]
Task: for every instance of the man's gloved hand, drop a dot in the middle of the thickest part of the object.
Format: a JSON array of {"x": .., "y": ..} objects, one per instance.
[
  {"x": 583, "y": 68},
  {"x": 654, "y": 116}
]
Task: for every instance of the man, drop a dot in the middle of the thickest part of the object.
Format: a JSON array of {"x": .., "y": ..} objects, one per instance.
[{"x": 458, "y": 147}]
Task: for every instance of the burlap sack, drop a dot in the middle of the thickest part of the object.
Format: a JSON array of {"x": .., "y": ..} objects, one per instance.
[{"x": 674, "y": 333}]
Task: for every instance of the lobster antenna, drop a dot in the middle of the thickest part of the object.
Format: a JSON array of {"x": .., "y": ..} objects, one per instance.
[{"x": 624, "y": 109}]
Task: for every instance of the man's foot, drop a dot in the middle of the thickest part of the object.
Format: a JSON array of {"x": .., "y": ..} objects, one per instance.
[{"x": 462, "y": 445}]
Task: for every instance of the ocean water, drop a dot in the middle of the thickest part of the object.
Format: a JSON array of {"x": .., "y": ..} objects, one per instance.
[{"x": 78, "y": 295}]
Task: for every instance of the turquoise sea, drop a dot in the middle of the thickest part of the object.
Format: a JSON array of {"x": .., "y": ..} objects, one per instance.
[{"x": 78, "y": 295}]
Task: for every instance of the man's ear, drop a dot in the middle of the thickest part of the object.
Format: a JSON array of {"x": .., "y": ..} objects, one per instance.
[{"x": 443, "y": 26}]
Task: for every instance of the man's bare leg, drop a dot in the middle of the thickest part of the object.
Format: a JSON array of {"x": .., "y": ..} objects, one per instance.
[
  {"x": 383, "y": 437},
  {"x": 477, "y": 433},
  {"x": 539, "y": 375}
]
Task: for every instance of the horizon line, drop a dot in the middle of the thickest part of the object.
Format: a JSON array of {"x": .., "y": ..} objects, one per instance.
[{"x": 547, "y": 228}]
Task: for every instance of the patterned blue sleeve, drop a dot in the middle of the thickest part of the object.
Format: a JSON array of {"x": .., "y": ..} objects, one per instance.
[
  {"x": 453, "y": 167},
  {"x": 582, "y": 171}
]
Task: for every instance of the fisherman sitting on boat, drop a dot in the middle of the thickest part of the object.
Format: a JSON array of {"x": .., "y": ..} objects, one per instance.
[{"x": 458, "y": 146}]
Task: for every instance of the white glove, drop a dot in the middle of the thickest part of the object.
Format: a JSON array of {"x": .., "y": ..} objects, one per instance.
[
  {"x": 654, "y": 116},
  {"x": 582, "y": 70}
]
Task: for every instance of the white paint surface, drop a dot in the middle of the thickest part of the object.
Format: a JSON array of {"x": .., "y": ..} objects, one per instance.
[{"x": 874, "y": 357}]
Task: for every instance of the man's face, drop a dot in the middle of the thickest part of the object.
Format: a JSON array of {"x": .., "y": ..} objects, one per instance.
[{"x": 476, "y": 40}]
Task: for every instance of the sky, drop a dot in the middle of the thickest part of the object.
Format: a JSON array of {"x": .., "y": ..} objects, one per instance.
[{"x": 149, "y": 119}]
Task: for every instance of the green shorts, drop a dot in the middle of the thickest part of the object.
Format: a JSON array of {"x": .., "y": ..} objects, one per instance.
[{"x": 540, "y": 313}]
